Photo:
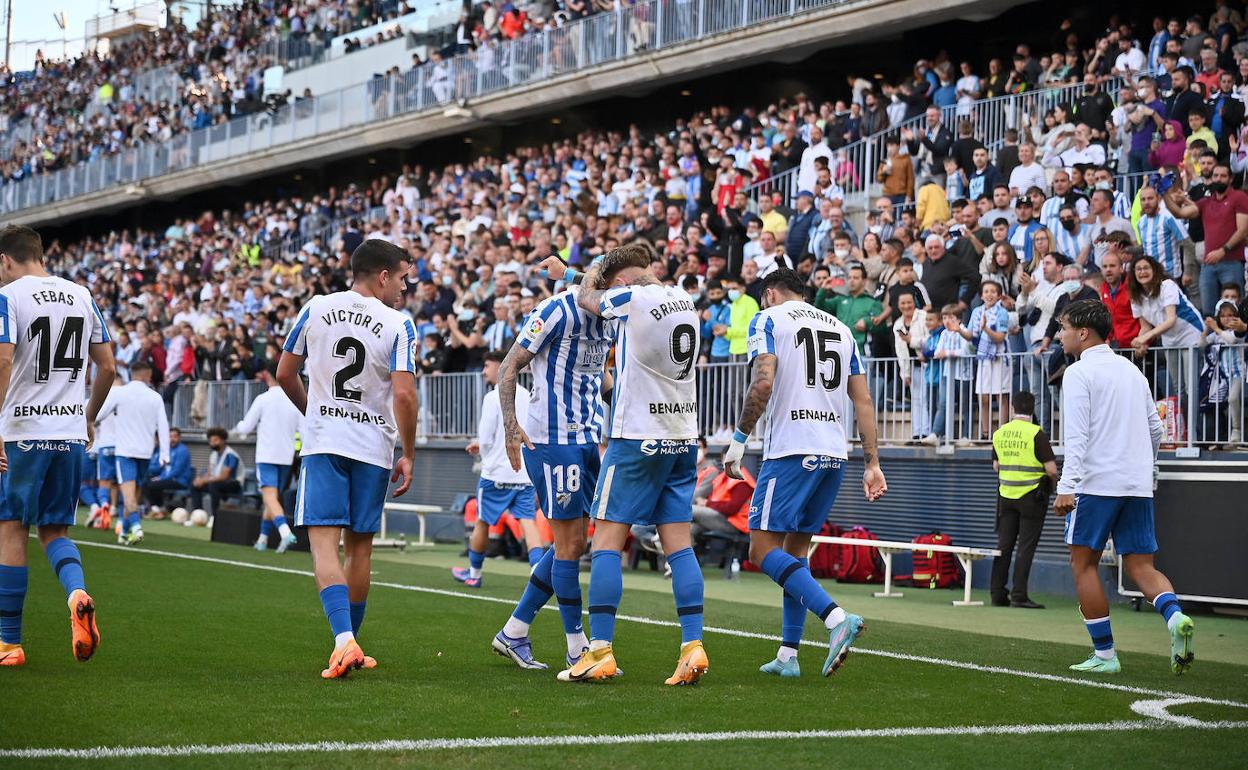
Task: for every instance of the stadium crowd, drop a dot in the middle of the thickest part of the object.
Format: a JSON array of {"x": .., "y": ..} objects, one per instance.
[{"x": 963, "y": 255}]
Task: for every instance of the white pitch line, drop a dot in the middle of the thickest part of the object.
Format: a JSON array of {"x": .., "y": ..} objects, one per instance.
[
  {"x": 548, "y": 741},
  {"x": 966, "y": 666}
]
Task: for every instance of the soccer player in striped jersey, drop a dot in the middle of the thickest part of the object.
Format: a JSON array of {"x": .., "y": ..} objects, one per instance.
[
  {"x": 807, "y": 376},
  {"x": 361, "y": 397},
  {"x": 1160, "y": 233},
  {"x": 650, "y": 467},
  {"x": 49, "y": 328},
  {"x": 557, "y": 444}
]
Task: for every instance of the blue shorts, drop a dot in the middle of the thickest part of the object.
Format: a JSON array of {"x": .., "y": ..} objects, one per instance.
[
  {"x": 647, "y": 481},
  {"x": 494, "y": 498},
  {"x": 41, "y": 487},
  {"x": 270, "y": 475},
  {"x": 564, "y": 476},
  {"x": 106, "y": 464},
  {"x": 795, "y": 493},
  {"x": 337, "y": 491},
  {"x": 132, "y": 469},
  {"x": 1128, "y": 519}
]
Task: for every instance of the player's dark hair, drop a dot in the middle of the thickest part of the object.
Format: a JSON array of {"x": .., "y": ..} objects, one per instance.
[
  {"x": 1023, "y": 402},
  {"x": 21, "y": 244},
  {"x": 176, "y": 430},
  {"x": 496, "y": 356},
  {"x": 632, "y": 255},
  {"x": 1089, "y": 314},
  {"x": 140, "y": 366},
  {"x": 711, "y": 283},
  {"x": 785, "y": 279},
  {"x": 220, "y": 433},
  {"x": 374, "y": 255}
]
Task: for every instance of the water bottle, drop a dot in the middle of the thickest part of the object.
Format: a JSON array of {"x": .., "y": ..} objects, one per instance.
[{"x": 735, "y": 569}]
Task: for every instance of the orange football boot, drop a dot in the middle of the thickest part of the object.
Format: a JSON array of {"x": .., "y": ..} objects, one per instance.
[
  {"x": 345, "y": 659},
  {"x": 12, "y": 655},
  {"x": 691, "y": 666},
  {"x": 82, "y": 623}
]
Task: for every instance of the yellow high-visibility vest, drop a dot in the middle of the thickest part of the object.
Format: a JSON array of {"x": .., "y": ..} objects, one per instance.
[{"x": 1020, "y": 470}]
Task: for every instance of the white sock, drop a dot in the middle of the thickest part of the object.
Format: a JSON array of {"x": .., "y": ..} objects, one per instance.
[
  {"x": 285, "y": 530},
  {"x": 835, "y": 617},
  {"x": 1106, "y": 654},
  {"x": 474, "y": 573},
  {"x": 577, "y": 643},
  {"x": 515, "y": 628},
  {"x": 598, "y": 644},
  {"x": 343, "y": 638},
  {"x": 785, "y": 654},
  {"x": 1173, "y": 620}
]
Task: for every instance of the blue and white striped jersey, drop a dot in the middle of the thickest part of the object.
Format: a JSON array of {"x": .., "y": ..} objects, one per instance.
[
  {"x": 815, "y": 357},
  {"x": 1160, "y": 235},
  {"x": 353, "y": 344},
  {"x": 1071, "y": 244},
  {"x": 570, "y": 350}
]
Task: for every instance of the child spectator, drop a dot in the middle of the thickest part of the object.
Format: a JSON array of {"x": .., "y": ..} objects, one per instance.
[
  {"x": 909, "y": 334},
  {"x": 1223, "y": 409},
  {"x": 933, "y": 384},
  {"x": 990, "y": 323},
  {"x": 959, "y": 372}
]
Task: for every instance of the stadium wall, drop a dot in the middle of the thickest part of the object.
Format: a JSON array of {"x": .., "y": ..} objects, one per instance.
[{"x": 787, "y": 40}]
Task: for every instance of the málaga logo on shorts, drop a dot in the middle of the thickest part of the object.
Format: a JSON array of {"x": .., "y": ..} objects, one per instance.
[
  {"x": 819, "y": 463},
  {"x": 652, "y": 447},
  {"x": 45, "y": 446}
]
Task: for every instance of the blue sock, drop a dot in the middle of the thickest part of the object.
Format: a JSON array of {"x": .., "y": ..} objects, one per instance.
[
  {"x": 357, "y": 615},
  {"x": 125, "y": 522},
  {"x": 279, "y": 521},
  {"x": 687, "y": 589},
  {"x": 67, "y": 564},
  {"x": 565, "y": 577},
  {"x": 538, "y": 590},
  {"x": 1102, "y": 637},
  {"x": 1167, "y": 604},
  {"x": 101, "y": 496},
  {"x": 86, "y": 495},
  {"x": 266, "y": 528},
  {"x": 793, "y": 617},
  {"x": 535, "y": 555},
  {"x": 796, "y": 580},
  {"x": 133, "y": 519},
  {"x": 606, "y": 588},
  {"x": 13, "y": 582},
  {"x": 337, "y": 608},
  {"x": 476, "y": 559}
]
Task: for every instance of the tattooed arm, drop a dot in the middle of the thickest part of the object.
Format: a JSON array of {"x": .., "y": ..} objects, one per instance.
[
  {"x": 517, "y": 358},
  {"x": 873, "y": 483},
  {"x": 756, "y": 399}
]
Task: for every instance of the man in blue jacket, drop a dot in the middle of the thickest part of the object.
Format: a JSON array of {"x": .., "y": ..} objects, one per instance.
[
  {"x": 716, "y": 319},
  {"x": 800, "y": 226},
  {"x": 175, "y": 476}
]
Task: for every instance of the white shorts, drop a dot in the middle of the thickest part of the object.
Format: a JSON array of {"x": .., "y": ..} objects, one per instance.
[{"x": 992, "y": 377}]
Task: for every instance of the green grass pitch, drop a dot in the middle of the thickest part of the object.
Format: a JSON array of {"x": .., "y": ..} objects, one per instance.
[{"x": 209, "y": 662}]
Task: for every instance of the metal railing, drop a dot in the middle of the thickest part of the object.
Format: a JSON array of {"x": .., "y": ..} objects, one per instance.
[
  {"x": 958, "y": 400},
  {"x": 649, "y": 25}
]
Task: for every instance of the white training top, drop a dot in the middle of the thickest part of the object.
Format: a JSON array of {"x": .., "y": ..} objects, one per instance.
[
  {"x": 569, "y": 348},
  {"x": 1111, "y": 431},
  {"x": 656, "y": 335},
  {"x": 493, "y": 439},
  {"x": 353, "y": 343},
  {"x": 275, "y": 421},
  {"x": 138, "y": 415},
  {"x": 50, "y": 322},
  {"x": 815, "y": 357}
]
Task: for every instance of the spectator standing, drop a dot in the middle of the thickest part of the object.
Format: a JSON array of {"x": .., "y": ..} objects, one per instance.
[
  {"x": 930, "y": 146},
  {"x": 909, "y": 334},
  {"x": 990, "y": 324},
  {"x": 1026, "y": 472},
  {"x": 502, "y": 331},
  {"x": 932, "y": 205},
  {"x": 816, "y": 149},
  {"x": 983, "y": 177},
  {"x": 1035, "y": 309},
  {"x": 1103, "y": 221},
  {"x": 896, "y": 172},
  {"x": 857, "y": 310},
  {"x": 1026, "y": 175},
  {"x": 1116, "y": 296},
  {"x": 1144, "y": 118},
  {"x": 716, "y": 321},
  {"x": 744, "y": 308},
  {"x": 1007, "y": 154},
  {"x": 1160, "y": 233},
  {"x": 949, "y": 280},
  {"x": 1093, "y": 109},
  {"x": 1224, "y": 216},
  {"x": 1182, "y": 100},
  {"x": 957, "y": 373},
  {"x": 800, "y": 227}
]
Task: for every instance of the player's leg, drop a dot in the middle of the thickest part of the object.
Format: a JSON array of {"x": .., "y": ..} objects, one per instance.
[
  {"x": 1087, "y": 529},
  {"x": 1135, "y": 539},
  {"x": 57, "y": 509},
  {"x": 673, "y": 514},
  {"x": 491, "y": 503},
  {"x": 522, "y": 505},
  {"x": 272, "y": 497},
  {"x": 792, "y": 616},
  {"x": 14, "y": 578},
  {"x": 357, "y": 567},
  {"x": 129, "y": 471},
  {"x": 367, "y": 499}
]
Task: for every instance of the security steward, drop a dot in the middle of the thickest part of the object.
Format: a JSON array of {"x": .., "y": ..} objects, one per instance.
[{"x": 1027, "y": 473}]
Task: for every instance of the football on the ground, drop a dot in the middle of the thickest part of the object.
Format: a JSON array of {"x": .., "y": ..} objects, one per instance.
[
  {"x": 199, "y": 517},
  {"x": 180, "y": 515}
]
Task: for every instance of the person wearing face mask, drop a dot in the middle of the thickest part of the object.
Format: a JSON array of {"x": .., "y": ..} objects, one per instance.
[
  {"x": 743, "y": 308},
  {"x": 1071, "y": 289},
  {"x": 716, "y": 320},
  {"x": 1225, "y": 218},
  {"x": 1071, "y": 235},
  {"x": 467, "y": 353},
  {"x": 1103, "y": 179},
  {"x": 753, "y": 232}
]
